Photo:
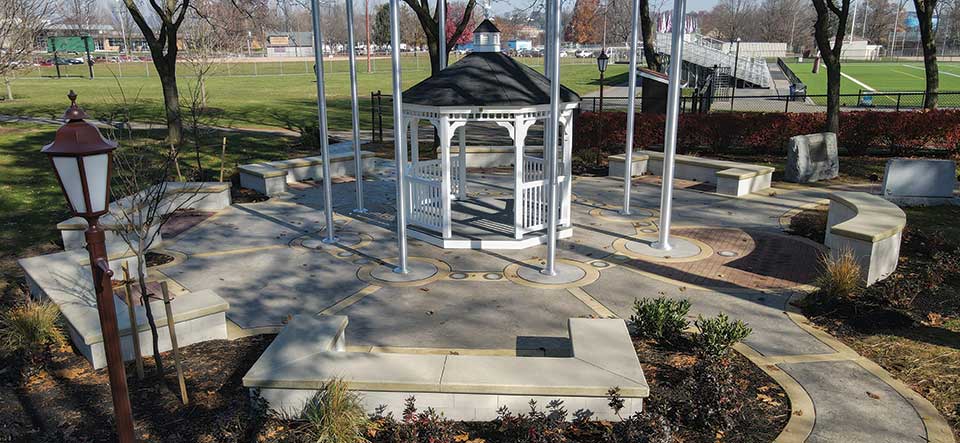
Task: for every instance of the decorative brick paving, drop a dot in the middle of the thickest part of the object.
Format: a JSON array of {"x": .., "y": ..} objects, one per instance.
[{"x": 762, "y": 260}]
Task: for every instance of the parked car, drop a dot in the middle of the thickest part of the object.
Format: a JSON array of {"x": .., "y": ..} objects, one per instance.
[{"x": 583, "y": 53}]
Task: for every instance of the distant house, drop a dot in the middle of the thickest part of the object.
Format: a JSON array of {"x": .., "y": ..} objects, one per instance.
[
  {"x": 290, "y": 44},
  {"x": 520, "y": 45}
]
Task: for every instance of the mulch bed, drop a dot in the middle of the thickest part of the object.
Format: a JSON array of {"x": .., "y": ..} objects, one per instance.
[{"x": 69, "y": 401}]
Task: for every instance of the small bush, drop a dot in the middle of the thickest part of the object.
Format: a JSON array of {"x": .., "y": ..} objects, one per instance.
[
  {"x": 642, "y": 427},
  {"x": 660, "y": 318},
  {"x": 711, "y": 394},
  {"x": 30, "y": 329},
  {"x": 840, "y": 275},
  {"x": 415, "y": 426},
  {"x": 718, "y": 334},
  {"x": 335, "y": 414},
  {"x": 536, "y": 426}
]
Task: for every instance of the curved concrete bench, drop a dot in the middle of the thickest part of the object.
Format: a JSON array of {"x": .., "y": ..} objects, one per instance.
[
  {"x": 200, "y": 196},
  {"x": 870, "y": 227},
  {"x": 271, "y": 178},
  {"x": 310, "y": 351},
  {"x": 731, "y": 178}
]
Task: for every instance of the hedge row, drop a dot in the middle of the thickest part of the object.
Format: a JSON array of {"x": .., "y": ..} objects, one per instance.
[{"x": 896, "y": 133}]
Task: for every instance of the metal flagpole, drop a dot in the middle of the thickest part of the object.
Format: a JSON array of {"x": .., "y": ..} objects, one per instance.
[
  {"x": 398, "y": 144},
  {"x": 357, "y": 160},
  {"x": 442, "y": 41},
  {"x": 670, "y": 131},
  {"x": 550, "y": 147},
  {"x": 631, "y": 108},
  {"x": 322, "y": 116}
]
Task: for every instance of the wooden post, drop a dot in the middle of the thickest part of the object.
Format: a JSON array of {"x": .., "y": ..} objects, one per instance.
[
  {"x": 223, "y": 153},
  {"x": 173, "y": 342},
  {"x": 134, "y": 329},
  {"x": 176, "y": 162}
]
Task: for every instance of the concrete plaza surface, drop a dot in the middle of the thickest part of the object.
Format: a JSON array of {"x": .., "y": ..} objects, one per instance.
[{"x": 266, "y": 261}]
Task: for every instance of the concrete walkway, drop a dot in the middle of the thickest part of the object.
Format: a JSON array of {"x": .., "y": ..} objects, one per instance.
[{"x": 483, "y": 305}]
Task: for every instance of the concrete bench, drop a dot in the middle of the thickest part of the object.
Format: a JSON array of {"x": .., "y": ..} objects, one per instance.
[
  {"x": 310, "y": 351},
  {"x": 870, "y": 227},
  {"x": 64, "y": 278},
  {"x": 730, "y": 178},
  {"x": 199, "y": 196},
  {"x": 271, "y": 178},
  {"x": 491, "y": 156}
]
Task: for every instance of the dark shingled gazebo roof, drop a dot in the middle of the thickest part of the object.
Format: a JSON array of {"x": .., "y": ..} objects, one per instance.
[
  {"x": 486, "y": 26},
  {"x": 486, "y": 79}
]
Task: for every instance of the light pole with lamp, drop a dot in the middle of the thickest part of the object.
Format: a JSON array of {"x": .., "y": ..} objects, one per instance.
[
  {"x": 83, "y": 162},
  {"x": 602, "y": 60}
]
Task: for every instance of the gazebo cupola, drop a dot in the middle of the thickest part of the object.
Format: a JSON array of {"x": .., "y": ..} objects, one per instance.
[
  {"x": 486, "y": 87},
  {"x": 486, "y": 38}
]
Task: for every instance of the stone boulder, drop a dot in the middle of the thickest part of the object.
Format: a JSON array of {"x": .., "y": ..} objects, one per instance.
[{"x": 812, "y": 157}]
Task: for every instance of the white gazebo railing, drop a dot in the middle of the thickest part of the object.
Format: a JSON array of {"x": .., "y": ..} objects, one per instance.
[{"x": 426, "y": 197}]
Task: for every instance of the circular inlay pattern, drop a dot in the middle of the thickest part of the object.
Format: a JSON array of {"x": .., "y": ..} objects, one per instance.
[
  {"x": 492, "y": 276},
  {"x": 458, "y": 275},
  {"x": 420, "y": 271},
  {"x": 416, "y": 270},
  {"x": 681, "y": 248},
  {"x": 361, "y": 261},
  {"x": 614, "y": 215},
  {"x": 728, "y": 253},
  {"x": 648, "y": 230},
  {"x": 344, "y": 254},
  {"x": 565, "y": 273},
  {"x": 569, "y": 273},
  {"x": 600, "y": 264},
  {"x": 312, "y": 243}
]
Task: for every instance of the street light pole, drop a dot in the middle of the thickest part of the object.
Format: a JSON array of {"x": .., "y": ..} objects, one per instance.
[
  {"x": 83, "y": 162},
  {"x": 330, "y": 236}
]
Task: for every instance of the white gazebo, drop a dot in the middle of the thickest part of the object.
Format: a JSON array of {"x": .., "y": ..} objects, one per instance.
[{"x": 485, "y": 86}]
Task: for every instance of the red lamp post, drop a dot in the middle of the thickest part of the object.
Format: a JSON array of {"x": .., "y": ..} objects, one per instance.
[{"x": 83, "y": 161}]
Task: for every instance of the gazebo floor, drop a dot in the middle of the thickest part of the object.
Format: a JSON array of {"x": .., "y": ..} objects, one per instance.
[{"x": 484, "y": 222}]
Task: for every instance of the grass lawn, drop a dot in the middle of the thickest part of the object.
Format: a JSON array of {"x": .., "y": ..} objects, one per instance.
[{"x": 287, "y": 101}]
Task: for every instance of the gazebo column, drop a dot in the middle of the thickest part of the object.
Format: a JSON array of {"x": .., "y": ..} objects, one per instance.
[
  {"x": 567, "y": 190},
  {"x": 415, "y": 141},
  {"x": 518, "y": 134},
  {"x": 462, "y": 170},
  {"x": 445, "y": 188}
]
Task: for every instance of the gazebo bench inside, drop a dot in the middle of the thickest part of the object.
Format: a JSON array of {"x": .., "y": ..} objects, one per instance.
[
  {"x": 271, "y": 178},
  {"x": 311, "y": 350},
  {"x": 730, "y": 178}
]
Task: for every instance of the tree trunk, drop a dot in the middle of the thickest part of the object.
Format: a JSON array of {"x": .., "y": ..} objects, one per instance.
[
  {"x": 833, "y": 95},
  {"x": 433, "y": 47},
  {"x": 167, "y": 71},
  {"x": 148, "y": 312},
  {"x": 647, "y": 35},
  {"x": 925, "y": 10},
  {"x": 9, "y": 89}
]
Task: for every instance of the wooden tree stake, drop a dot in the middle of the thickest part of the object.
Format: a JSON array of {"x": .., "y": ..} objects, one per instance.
[
  {"x": 173, "y": 342},
  {"x": 134, "y": 328}
]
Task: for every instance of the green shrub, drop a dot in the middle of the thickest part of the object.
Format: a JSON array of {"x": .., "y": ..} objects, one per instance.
[
  {"x": 335, "y": 414},
  {"x": 660, "y": 318},
  {"x": 840, "y": 275},
  {"x": 30, "y": 329},
  {"x": 718, "y": 334}
]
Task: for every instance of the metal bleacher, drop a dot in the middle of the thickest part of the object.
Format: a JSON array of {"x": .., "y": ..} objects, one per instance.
[{"x": 705, "y": 51}]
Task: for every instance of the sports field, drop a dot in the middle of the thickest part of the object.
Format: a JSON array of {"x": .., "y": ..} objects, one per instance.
[{"x": 878, "y": 76}]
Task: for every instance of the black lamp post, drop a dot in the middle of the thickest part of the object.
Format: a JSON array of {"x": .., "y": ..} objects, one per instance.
[
  {"x": 602, "y": 60},
  {"x": 83, "y": 161},
  {"x": 736, "y": 65}
]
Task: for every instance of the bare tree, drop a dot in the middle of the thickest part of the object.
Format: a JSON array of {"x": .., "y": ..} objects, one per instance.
[
  {"x": 79, "y": 14},
  {"x": 429, "y": 22},
  {"x": 928, "y": 38},
  {"x": 831, "y": 23},
  {"x": 204, "y": 45},
  {"x": 21, "y": 22},
  {"x": 648, "y": 38}
]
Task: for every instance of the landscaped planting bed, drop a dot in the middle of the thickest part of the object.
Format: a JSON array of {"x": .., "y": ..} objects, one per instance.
[{"x": 68, "y": 401}]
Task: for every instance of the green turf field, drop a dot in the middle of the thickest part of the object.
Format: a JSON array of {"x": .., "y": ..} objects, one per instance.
[
  {"x": 878, "y": 76},
  {"x": 244, "y": 97}
]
